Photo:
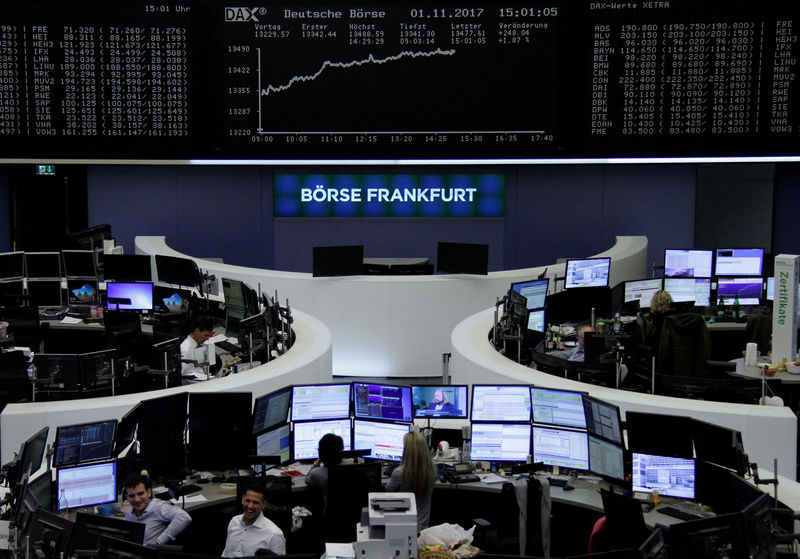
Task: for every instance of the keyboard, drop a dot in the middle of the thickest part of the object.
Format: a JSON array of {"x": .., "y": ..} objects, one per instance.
[
  {"x": 678, "y": 513},
  {"x": 227, "y": 346},
  {"x": 558, "y": 481}
]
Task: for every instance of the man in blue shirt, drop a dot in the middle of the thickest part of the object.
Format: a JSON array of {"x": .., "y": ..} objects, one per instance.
[{"x": 163, "y": 521}]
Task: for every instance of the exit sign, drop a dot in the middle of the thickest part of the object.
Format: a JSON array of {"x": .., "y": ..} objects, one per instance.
[{"x": 45, "y": 169}]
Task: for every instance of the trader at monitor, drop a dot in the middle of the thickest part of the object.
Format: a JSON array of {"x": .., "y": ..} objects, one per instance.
[
  {"x": 200, "y": 331},
  {"x": 251, "y": 531},
  {"x": 576, "y": 353},
  {"x": 163, "y": 521},
  {"x": 440, "y": 402}
]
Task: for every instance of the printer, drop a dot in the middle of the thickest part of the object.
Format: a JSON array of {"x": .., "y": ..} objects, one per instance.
[{"x": 388, "y": 527}]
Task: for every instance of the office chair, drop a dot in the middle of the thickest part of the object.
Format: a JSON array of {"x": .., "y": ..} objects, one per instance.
[
  {"x": 758, "y": 329},
  {"x": 124, "y": 333},
  {"x": 685, "y": 346},
  {"x": 624, "y": 521},
  {"x": 348, "y": 487}
]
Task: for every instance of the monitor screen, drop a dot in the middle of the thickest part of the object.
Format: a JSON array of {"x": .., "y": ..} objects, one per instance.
[
  {"x": 12, "y": 265},
  {"x": 30, "y": 459},
  {"x": 161, "y": 433},
  {"x": 602, "y": 419},
  {"x": 171, "y": 300},
  {"x": 11, "y": 289},
  {"x": 306, "y": 436},
  {"x": 166, "y": 356},
  {"x": 61, "y": 368},
  {"x": 642, "y": 291},
  {"x": 560, "y": 447},
  {"x": 233, "y": 290},
  {"x": 233, "y": 317},
  {"x": 43, "y": 265},
  {"x": 320, "y": 401},
  {"x": 89, "y": 484},
  {"x": 90, "y": 527},
  {"x": 385, "y": 440},
  {"x": 557, "y": 407},
  {"x": 590, "y": 272},
  {"x": 502, "y": 442},
  {"x": 177, "y": 271},
  {"x": 88, "y": 442},
  {"x": 271, "y": 409},
  {"x": 79, "y": 264},
  {"x": 536, "y": 320},
  {"x": 42, "y": 489},
  {"x": 664, "y": 435},
  {"x": 275, "y": 442},
  {"x": 719, "y": 445},
  {"x": 771, "y": 288},
  {"x": 534, "y": 290},
  {"x": 127, "y": 267},
  {"x": 139, "y": 294},
  {"x": 440, "y": 400},
  {"x": 606, "y": 459},
  {"x": 220, "y": 429},
  {"x": 82, "y": 292},
  {"x": 96, "y": 367},
  {"x": 672, "y": 477},
  {"x": 330, "y": 261},
  {"x": 45, "y": 293},
  {"x": 739, "y": 262},
  {"x": 745, "y": 291},
  {"x": 462, "y": 258},
  {"x": 684, "y": 290},
  {"x": 688, "y": 263},
  {"x": 506, "y": 403},
  {"x": 382, "y": 401},
  {"x": 126, "y": 429},
  {"x": 51, "y": 533}
]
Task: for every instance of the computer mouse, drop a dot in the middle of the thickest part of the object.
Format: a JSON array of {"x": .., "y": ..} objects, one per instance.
[{"x": 568, "y": 487}]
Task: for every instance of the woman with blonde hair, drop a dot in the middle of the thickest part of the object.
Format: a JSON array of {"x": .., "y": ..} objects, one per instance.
[{"x": 416, "y": 474}]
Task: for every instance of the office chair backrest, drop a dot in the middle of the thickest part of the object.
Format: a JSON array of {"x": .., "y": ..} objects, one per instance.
[
  {"x": 758, "y": 329},
  {"x": 685, "y": 346},
  {"x": 624, "y": 520}
]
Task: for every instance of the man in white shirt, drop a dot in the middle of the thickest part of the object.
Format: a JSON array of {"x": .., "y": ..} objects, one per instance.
[
  {"x": 251, "y": 530},
  {"x": 199, "y": 332}
]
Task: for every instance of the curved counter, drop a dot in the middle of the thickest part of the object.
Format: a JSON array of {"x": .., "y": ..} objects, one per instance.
[
  {"x": 308, "y": 361},
  {"x": 397, "y": 326},
  {"x": 768, "y": 432}
]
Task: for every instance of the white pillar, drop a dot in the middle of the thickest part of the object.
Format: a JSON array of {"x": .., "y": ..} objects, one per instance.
[{"x": 784, "y": 308}]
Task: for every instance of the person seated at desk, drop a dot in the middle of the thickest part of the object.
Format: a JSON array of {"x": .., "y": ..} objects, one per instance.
[
  {"x": 330, "y": 454},
  {"x": 200, "y": 330},
  {"x": 440, "y": 402},
  {"x": 163, "y": 521},
  {"x": 251, "y": 531},
  {"x": 577, "y": 352},
  {"x": 417, "y": 474},
  {"x": 651, "y": 326}
]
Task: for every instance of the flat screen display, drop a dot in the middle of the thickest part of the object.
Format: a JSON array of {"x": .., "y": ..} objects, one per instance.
[
  {"x": 536, "y": 320},
  {"x": 140, "y": 295},
  {"x": 91, "y": 484},
  {"x": 382, "y": 401},
  {"x": 12, "y": 265},
  {"x": 642, "y": 291},
  {"x": 45, "y": 293},
  {"x": 534, "y": 290},
  {"x": 177, "y": 271},
  {"x": 233, "y": 290},
  {"x": 306, "y": 436},
  {"x": 337, "y": 261},
  {"x": 385, "y": 440},
  {"x": 590, "y": 272},
  {"x": 684, "y": 290},
  {"x": 688, "y": 263},
  {"x": 127, "y": 267},
  {"x": 673, "y": 477},
  {"x": 561, "y": 447},
  {"x": 271, "y": 409},
  {"x": 739, "y": 262},
  {"x": 43, "y": 265},
  {"x": 81, "y": 292},
  {"x": 88, "y": 442},
  {"x": 276, "y": 442},
  {"x": 602, "y": 419},
  {"x": 747, "y": 291},
  {"x": 320, "y": 401},
  {"x": 557, "y": 407},
  {"x": 440, "y": 401},
  {"x": 79, "y": 264},
  {"x": 32, "y": 453},
  {"x": 462, "y": 258},
  {"x": 502, "y": 442},
  {"x": 503, "y": 403},
  {"x": 606, "y": 459}
]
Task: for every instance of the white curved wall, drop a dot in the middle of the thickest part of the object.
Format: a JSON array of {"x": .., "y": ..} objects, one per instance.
[
  {"x": 307, "y": 362},
  {"x": 397, "y": 325}
]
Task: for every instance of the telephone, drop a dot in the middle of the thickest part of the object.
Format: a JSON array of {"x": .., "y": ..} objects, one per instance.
[{"x": 460, "y": 473}]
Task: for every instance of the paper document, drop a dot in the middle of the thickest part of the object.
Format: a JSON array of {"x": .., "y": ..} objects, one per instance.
[
  {"x": 492, "y": 478},
  {"x": 339, "y": 550}
]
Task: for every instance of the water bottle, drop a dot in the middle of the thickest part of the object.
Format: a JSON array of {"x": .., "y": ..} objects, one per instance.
[
  {"x": 63, "y": 505},
  {"x": 617, "y": 323}
]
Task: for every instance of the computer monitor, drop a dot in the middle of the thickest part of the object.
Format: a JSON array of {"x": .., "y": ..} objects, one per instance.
[
  {"x": 161, "y": 432},
  {"x": 43, "y": 265},
  {"x": 127, "y": 267},
  {"x": 306, "y": 436},
  {"x": 51, "y": 533},
  {"x": 602, "y": 419},
  {"x": 535, "y": 291},
  {"x": 537, "y": 320},
  {"x": 719, "y": 445},
  {"x": 739, "y": 262},
  {"x": 86, "y": 442},
  {"x": 574, "y": 305},
  {"x": 233, "y": 290},
  {"x": 96, "y": 368},
  {"x": 12, "y": 265},
  {"x": 59, "y": 368},
  {"x": 30, "y": 458},
  {"x": 672, "y": 477},
  {"x": 177, "y": 271},
  {"x": 276, "y": 441},
  {"x": 710, "y": 538},
  {"x": 271, "y": 409},
  {"x": 771, "y": 288},
  {"x": 685, "y": 290},
  {"x": 462, "y": 258},
  {"x": 745, "y": 291},
  {"x": 654, "y": 547},
  {"x": 11, "y": 292},
  {"x": 253, "y": 332},
  {"x": 140, "y": 295},
  {"x": 89, "y": 528},
  {"x": 427, "y": 403},
  {"x": 126, "y": 430},
  {"x": 558, "y": 407},
  {"x": 501, "y": 403},
  {"x": 587, "y": 272},
  {"x": 500, "y": 442},
  {"x": 758, "y": 520},
  {"x": 87, "y": 484},
  {"x": 233, "y": 317},
  {"x": 606, "y": 459},
  {"x": 329, "y": 261},
  {"x": 320, "y": 401},
  {"x": 220, "y": 427},
  {"x": 79, "y": 264},
  {"x": 382, "y": 401},
  {"x": 42, "y": 489},
  {"x": 45, "y": 293},
  {"x": 664, "y": 435},
  {"x": 642, "y": 291},
  {"x": 384, "y": 440},
  {"x": 561, "y": 447},
  {"x": 688, "y": 263},
  {"x": 112, "y": 548},
  {"x": 166, "y": 356},
  {"x": 82, "y": 291},
  {"x": 171, "y": 299}
]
